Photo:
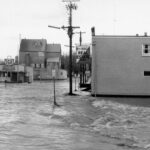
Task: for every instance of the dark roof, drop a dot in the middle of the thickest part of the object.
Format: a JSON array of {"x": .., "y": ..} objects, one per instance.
[
  {"x": 56, "y": 48},
  {"x": 33, "y": 45}
]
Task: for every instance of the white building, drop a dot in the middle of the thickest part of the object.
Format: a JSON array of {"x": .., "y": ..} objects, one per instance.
[
  {"x": 121, "y": 65},
  {"x": 16, "y": 73}
]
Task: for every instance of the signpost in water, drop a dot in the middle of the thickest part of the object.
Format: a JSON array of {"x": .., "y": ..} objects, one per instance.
[{"x": 54, "y": 76}]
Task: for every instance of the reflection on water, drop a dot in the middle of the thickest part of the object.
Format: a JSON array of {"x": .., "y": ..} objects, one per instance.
[{"x": 30, "y": 121}]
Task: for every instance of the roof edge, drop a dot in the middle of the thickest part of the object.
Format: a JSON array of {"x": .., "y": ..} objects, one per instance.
[{"x": 121, "y": 36}]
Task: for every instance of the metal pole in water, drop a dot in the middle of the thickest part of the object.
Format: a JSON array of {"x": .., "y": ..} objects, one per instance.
[
  {"x": 54, "y": 75},
  {"x": 5, "y": 80},
  {"x": 54, "y": 91},
  {"x": 75, "y": 83}
]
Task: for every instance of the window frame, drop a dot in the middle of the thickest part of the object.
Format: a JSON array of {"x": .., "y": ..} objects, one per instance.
[
  {"x": 146, "y": 73},
  {"x": 144, "y": 49}
]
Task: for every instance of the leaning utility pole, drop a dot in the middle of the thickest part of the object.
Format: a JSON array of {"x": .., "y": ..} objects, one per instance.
[{"x": 70, "y": 7}]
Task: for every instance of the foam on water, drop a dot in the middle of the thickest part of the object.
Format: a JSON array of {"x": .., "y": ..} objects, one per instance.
[
  {"x": 60, "y": 112},
  {"x": 123, "y": 121},
  {"x": 29, "y": 120}
]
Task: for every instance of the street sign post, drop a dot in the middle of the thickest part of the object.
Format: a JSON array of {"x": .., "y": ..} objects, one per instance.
[
  {"x": 54, "y": 76},
  {"x": 53, "y": 73}
]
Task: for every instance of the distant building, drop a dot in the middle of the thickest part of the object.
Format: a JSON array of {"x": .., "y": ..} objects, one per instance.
[
  {"x": 41, "y": 56},
  {"x": 84, "y": 63},
  {"x": 121, "y": 65},
  {"x": 16, "y": 73},
  {"x": 32, "y": 53}
]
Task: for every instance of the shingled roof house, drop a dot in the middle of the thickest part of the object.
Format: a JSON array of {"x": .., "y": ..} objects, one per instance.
[{"x": 41, "y": 56}]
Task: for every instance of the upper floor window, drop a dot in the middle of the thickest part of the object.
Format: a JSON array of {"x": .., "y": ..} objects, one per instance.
[{"x": 146, "y": 50}]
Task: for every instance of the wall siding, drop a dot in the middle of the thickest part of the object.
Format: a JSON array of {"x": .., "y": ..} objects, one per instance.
[{"x": 118, "y": 66}]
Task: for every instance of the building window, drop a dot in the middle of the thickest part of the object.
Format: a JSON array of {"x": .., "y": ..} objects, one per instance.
[
  {"x": 8, "y": 74},
  {"x": 146, "y": 73},
  {"x": 146, "y": 50}
]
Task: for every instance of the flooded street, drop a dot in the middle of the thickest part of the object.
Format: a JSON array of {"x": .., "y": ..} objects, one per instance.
[{"x": 29, "y": 121}]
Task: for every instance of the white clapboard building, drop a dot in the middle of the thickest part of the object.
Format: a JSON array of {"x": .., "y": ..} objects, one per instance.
[{"x": 121, "y": 65}]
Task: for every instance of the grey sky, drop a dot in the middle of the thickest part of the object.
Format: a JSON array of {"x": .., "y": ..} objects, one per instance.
[{"x": 30, "y": 18}]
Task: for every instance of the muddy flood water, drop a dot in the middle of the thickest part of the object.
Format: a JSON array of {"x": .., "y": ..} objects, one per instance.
[{"x": 30, "y": 121}]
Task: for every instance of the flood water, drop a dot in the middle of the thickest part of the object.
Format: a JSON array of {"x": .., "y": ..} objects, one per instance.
[{"x": 30, "y": 121}]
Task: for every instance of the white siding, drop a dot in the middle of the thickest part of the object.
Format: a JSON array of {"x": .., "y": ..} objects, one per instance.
[{"x": 118, "y": 66}]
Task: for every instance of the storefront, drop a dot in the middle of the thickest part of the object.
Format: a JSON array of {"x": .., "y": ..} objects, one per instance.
[{"x": 14, "y": 74}]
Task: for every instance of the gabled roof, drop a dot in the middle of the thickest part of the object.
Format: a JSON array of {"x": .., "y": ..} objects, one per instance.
[
  {"x": 53, "y": 48},
  {"x": 33, "y": 45}
]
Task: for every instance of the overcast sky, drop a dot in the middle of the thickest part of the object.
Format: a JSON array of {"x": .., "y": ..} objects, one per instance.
[{"x": 30, "y": 19}]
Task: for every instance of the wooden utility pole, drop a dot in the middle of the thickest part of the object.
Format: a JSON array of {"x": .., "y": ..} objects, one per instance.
[{"x": 70, "y": 6}]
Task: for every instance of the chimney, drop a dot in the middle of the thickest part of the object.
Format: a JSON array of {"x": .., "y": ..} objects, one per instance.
[
  {"x": 145, "y": 33},
  {"x": 93, "y": 31}
]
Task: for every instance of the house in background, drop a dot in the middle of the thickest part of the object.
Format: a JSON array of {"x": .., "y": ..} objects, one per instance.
[
  {"x": 42, "y": 57},
  {"x": 121, "y": 65},
  {"x": 16, "y": 73}
]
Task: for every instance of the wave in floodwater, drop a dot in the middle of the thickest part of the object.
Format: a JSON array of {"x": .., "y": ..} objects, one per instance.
[
  {"x": 123, "y": 121},
  {"x": 29, "y": 120}
]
